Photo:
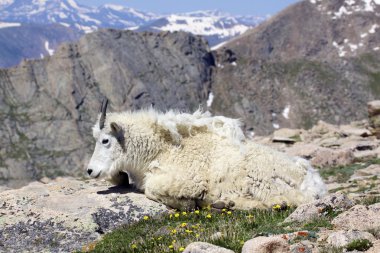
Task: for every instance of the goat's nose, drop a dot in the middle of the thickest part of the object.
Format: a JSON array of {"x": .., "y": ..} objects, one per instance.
[{"x": 89, "y": 171}]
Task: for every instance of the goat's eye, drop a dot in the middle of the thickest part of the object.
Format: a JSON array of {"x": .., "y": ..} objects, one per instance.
[{"x": 105, "y": 141}]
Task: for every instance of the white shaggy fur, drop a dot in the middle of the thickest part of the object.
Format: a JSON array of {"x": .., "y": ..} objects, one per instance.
[{"x": 184, "y": 160}]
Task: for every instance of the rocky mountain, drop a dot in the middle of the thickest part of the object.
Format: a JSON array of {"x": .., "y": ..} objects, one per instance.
[
  {"x": 215, "y": 26},
  {"x": 31, "y": 41},
  {"x": 314, "y": 60},
  {"x": 48, "y": 106},
  {"x": 71, "y": 14}
]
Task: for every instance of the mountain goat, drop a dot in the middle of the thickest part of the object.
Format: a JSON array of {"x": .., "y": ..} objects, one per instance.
[{"x": 189, "y": 160}]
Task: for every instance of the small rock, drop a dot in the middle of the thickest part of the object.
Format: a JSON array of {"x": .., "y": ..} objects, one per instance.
[
  {"x": 365, "y": 155},
  {"x": 373, "y": 108},
  {"x": 374, "y": 117},
  {"x": 351, "y": 130},
  {"x": 45, "y": 180},
  {"x": 203, "y": 247},
  {"x": 375, "y": 248},
  {"x": 310, "y": 211},
  {"x": 264, "y": 244},
  {"x": 329, "y": 157},
  {"x": 321, "y": 156},
  {"x": 342, "y": 238},
  {"x": 287, "y": 135},
  {"x": 359, "y": 217},
  {"x": 323, "y": 128},
  {"x": 304, "y": 247}
]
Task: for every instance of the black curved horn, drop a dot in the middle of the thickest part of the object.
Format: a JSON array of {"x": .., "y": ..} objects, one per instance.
[{"x": 103, "y": 109}]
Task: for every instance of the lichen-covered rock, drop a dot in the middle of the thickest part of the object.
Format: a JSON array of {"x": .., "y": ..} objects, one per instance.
[
  {"x": 203, "y": 247},
  {"x": 264, "y": 244},
  {"x": 318, "y": 208},
  {"x": 66, "y": 214},
  {"x": 341, "y": 238},
  {"x": 359, "y": 217}
]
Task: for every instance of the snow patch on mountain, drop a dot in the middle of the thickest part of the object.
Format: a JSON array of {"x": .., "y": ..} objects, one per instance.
[
  {"x": 48, "y": 49},
  {"x": 285, "y": 112},
  {"x": 204, "y": 25},
  {"x": 6, "y": 25},
  {"x": 348, "y": 7}
]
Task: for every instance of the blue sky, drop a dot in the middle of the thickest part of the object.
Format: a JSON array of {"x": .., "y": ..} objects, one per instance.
[{"x": 238, "y": 7}]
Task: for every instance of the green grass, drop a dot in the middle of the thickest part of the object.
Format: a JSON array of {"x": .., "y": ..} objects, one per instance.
[
  {"x": 343, "y": 173},
  {"x": 173, "y": 232},
  {"x": 360, "y": 245},
  {"x": 367, "y": 201}
]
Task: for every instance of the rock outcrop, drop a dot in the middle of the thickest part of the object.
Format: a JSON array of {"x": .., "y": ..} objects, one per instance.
[
  {"x": 307, "y": 63},
  {"x": 66, "y": 214}
]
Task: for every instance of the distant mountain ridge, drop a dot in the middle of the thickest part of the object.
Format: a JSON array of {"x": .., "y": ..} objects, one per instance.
[{"x": 217, "y": 27}]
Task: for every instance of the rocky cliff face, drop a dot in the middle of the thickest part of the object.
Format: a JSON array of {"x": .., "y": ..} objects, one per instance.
[
  {"x": 315, "y": 60},
  {"x": 48, "y": 106}
]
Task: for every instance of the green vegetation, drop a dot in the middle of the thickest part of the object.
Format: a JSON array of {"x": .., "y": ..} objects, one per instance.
[
  {"x": 230, "y": 229},
  {"x": 343, "y": 173},
  {"x": 367, "y": 201},
  {"x": 173, "y": 232},
  {"x": 360, "y": 244}
]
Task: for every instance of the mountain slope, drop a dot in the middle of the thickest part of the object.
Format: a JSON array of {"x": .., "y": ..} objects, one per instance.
[
  {"x": 306, "y": 63},
  {"x": 31, "y": 41}
]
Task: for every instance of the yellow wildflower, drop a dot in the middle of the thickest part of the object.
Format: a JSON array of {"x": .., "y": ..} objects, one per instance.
[
  {"x": 224, "y": 209},
  {"x": 241, "y": 242},
  {"x": 176, "y": 215},
  {"x": 174, "y": 241},
  {"x": 171, "y": 216},
  {"x": 174, "y": 231},
  {"x": 197, "y": 235},
  {"x": 184, "y": 213},
  {"x": 208, "y": 216},
  {"x": 171, "y": 246},
  {"x": 276, "y": 207},
  {"x": 184, "y": 224},
  {"x": 196, "y": 211},
  {"x": 188, "y": 231},
  {"x": 229, "y": 212},
  {"x": 181, "y": 249},
  {"x": 134, "y": 246},
  {"x": 146, "y": 217}
]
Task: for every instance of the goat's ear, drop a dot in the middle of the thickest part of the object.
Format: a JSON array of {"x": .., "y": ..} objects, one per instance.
[{"x": 118, "y": 132}]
